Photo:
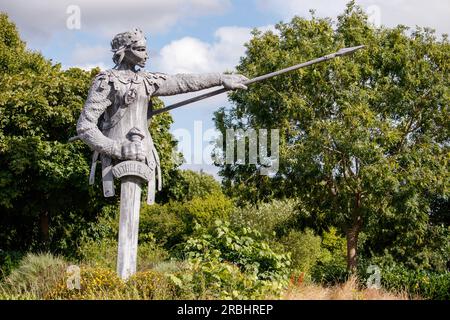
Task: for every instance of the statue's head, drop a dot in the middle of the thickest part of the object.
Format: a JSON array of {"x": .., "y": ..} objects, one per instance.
[{"x": 130, "y": 47}]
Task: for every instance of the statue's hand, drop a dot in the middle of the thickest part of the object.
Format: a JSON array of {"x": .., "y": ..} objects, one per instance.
[
  {"x": 234, "y": 81},
  {"x": 133, "y": 151}
]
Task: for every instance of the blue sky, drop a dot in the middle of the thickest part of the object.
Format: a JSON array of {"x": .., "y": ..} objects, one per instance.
[{"x": 187, "y": 35}]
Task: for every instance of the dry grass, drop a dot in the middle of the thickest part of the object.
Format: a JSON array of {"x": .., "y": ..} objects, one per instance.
[
  {"x": 35, "y": 276},
  {"x": 350, "y": 290}
]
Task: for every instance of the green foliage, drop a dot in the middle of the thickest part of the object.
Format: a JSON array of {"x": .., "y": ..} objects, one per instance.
[
  {"x": 427, "y": 285},
  {"x": 95, "y": 283},
  {"x": 103, "y": 254},
  {"x": 364, "y": 138},
  {"x": 151, "y": 285},
  {"x": 427, "y": 249},
  {"x": 244, "y": 248},
  {"x": 333, "y": 247},
  {"x": 331, "y": 267},
  {"x": 304, "y": 247},
  {"x": 225, "y": 264},
  {"x": 172, "y": 223},
  {"x": 9, "y": 260},
  {"x": 185, "y": 185},
  {"x": 216, "y": 279},
  {"x": 42, "y": 177},
  {"x": 273, "y": 219},
  {"x": 330, "y": 273}
]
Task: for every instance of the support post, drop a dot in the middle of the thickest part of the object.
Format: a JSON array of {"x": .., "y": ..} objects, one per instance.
[{"x": 130, "y": 203}]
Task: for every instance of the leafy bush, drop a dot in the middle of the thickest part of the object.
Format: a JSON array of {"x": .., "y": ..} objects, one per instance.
[
  {"x": 8, "y": 261},
  {"x": 173, "y": 223},
  {"x": 427, "y": 285},
  {"x": 217, "y": 279},
  {"x": 330, "y": 273},
  {"x": 151, "y": 285},
  {"x": 331, "y": 267},
  {"x": 271, "y": 219},
  {"x": 333, "y": 248},
  {"x": 305, "y": 249},
  {"x": 185, "y": 185},
  {"x": 245, "y": 248},
  {"x": 95, "y": 283},
  {"x": 104, "y": 254}
]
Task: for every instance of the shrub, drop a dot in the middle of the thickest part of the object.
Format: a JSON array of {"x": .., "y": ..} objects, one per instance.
[
  {"x": 330, "y": 273},
  {"x": 333, "y": 248},
  {"x": 425, "y": 284},
  {"x": 271, "y": 219},
  {"x": 173, "y": 223},
  {"x": 151, "y": 285},
  {"x": 305, "y": 249},
  {"x": 331, "y": 267},
  {"x": 217, "y": 279},
  {"x": 35, "y": 276},
  {"x": 245, "y": 248},
  {"x": 104, "y": 254},
  {"x": 185, "y": 185},
  {"x": 8, "y": 261},
  {"x": 95, "y": 284},
  {"x": 104, "y": 284}
]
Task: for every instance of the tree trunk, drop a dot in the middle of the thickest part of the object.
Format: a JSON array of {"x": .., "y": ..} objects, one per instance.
[
  {"x": 352, "y": 244},
  {"x": 352, "y": 235}
]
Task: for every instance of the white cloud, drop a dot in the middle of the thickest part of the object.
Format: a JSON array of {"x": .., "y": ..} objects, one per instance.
[
  {"x": 88, "y": 66},
  {"x": 40, "y": 19},
  {"x": 83, "y": 54},
  {"x": 191, "y": 55},
  {"x": 430, "y": 13}
]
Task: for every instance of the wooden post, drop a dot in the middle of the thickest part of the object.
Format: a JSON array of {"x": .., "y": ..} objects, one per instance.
[{"x": 130, "y": 203}]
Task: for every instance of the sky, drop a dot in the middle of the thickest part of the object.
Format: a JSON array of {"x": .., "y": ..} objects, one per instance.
[{"x": 187, "y": 36}]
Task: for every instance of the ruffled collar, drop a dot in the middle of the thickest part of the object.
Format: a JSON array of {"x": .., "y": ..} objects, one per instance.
[{"x": 126, "y": 77}]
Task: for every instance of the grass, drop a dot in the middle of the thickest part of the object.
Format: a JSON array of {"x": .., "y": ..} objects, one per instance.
[
  {"x": 350, "y": 290},
  {"x": 35, "y": 275}
]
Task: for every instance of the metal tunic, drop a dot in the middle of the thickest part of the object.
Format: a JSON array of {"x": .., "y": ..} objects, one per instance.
[{"x": 130, "y": 99}]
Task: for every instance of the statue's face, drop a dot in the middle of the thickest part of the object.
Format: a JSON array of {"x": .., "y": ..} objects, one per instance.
[{"x": 137, "y": 54}]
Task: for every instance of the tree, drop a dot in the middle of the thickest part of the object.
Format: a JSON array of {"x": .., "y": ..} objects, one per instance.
[
  {"x": 45, "y": 200},
  {"x": 185, "y": 185},
  {"x": 362, "y": 138}
]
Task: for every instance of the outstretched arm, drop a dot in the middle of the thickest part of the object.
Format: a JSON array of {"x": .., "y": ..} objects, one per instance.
[{"x": 184, "y": 83}]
